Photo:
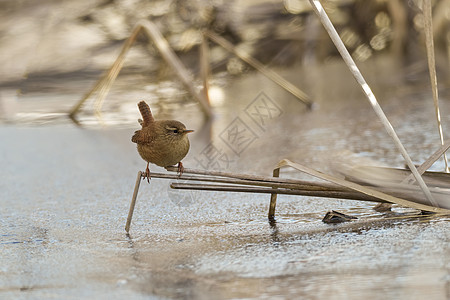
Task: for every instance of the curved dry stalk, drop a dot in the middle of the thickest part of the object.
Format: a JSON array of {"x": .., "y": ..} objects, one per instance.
[
  {"x": 354, "y": 186},
  {"x": 318, "y": 8}
]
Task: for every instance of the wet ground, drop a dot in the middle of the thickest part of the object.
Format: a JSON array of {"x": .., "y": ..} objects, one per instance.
[{"x": 65, "y": 191}]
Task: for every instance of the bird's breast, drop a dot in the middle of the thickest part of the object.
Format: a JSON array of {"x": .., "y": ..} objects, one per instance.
[{"x": 163, "y": 152}]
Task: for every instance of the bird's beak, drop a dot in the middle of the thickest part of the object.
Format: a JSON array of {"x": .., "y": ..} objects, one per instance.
[{"x": 187, "y": 131}]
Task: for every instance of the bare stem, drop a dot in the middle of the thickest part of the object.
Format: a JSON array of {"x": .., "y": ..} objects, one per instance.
[
  {"x": 261, "y": 68},
  {"x": 432, "y": 69},
  {"x": 318, "y": 8}
]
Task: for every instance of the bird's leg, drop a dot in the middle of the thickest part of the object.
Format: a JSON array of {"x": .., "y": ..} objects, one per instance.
[
  {"x": 147, "y": 173},
  {"x": 180, "y": 169}
]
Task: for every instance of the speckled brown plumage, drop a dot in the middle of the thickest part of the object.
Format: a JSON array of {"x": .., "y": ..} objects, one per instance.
[{"x": 161, "y": 142}]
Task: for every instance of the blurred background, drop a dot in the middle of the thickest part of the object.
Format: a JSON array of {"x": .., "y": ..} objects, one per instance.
[
  {"x": 52, "y": 52},
  {"x": 65, "y": 189}
]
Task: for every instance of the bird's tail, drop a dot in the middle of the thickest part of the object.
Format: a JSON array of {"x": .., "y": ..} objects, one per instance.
[{"x": 146, "y": 113}]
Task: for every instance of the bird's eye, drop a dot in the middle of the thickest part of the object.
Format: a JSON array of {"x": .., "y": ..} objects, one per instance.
[{"x": 175, "y": 131}]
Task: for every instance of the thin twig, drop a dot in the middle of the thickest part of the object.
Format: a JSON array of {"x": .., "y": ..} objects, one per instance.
[
  {"x": 277, "y": 189},
  {"x": 253, "y": 178},
  {"x": 273, "y": 196},
  {"x": 281, "y": 183},
  {"x": 133, "y": 201},
  {"x": 240, "y": 189},
  {"x": 318, "y": 8},
  {"x": 204, "y": 67}
]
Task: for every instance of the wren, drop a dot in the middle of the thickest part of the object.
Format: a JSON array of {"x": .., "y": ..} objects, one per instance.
[{"x": 160, "y": 142}]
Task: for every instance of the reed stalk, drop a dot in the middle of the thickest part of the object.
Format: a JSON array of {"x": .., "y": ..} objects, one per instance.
[
  {"x": 428, "y": 28},
  {"x": 318, "y": 8},
  {"x": 272, "y": 75},
  {"x": 104, "y": 84},
  {"x": 360, "y": 188}
]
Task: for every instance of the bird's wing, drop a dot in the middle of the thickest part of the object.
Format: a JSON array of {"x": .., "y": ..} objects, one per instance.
[{"x": 142, "y": 137}]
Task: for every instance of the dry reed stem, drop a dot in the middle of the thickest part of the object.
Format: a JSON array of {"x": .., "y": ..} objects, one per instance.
[
  {"x": 172, "y": 59},
  {"x": 204, "y": 67},
  {"x": 338, "y": 188},
  {"x": 272, "y": 75},
  {"x": 313, "y": 188},
  {"x": 398, "y": 192},
  {"x": 133, "y": 201},
  {"x": 362, "y": 189},
  {"x": 318, "y": 8},
  {"x": 428, "y": 163},
  {"x": 105, "y": 82},
  {"x": 300, "y": 192},
  {"x": 428, "y": 28},
  {"x": 239, "y": 179}
]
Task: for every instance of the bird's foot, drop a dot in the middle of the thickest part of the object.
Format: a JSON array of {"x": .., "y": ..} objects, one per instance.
[
  {"x": 146, "y": 174},
  {"x": 180, "y": 169}
]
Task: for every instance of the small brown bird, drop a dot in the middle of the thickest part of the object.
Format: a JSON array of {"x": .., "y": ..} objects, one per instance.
[{"x": 161, "y": 142}]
